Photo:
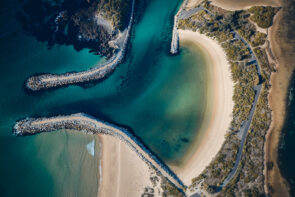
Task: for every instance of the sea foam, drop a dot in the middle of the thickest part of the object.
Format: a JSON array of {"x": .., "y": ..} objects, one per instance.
[{"x": 90, "y": 147}]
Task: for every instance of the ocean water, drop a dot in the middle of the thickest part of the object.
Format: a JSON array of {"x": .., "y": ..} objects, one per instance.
[
  {"x": 157, "y": 96},
  {"x": 287, "y": 145}
]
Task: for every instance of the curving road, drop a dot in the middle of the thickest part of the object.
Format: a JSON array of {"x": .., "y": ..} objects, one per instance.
[
  {"x": 243, "y": 131},
  {"x": 243, "y": 135}
]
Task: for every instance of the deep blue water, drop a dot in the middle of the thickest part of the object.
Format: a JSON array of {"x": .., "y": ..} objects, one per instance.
[
  {"x": 157, "y": 96},
  {"x": 287, "y": 145}
]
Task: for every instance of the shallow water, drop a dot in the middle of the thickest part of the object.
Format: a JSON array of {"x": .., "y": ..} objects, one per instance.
[{"x": 157, "y": 96}]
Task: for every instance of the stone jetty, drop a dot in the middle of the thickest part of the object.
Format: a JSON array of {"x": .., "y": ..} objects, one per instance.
[
  {"x": 85, "y": 123},
  {"x": 46, "y": 81},
  {"x": 175, "y": 37}
]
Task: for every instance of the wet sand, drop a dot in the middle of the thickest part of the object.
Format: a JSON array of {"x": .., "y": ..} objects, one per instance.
[{"x": 281, "y": 43}]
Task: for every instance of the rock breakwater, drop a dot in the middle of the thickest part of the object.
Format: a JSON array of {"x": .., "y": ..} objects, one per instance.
[
  {"x": 46, "y": 81},
  {"x": 85, "y": 123},
  {"x": 175, "y": 37}
]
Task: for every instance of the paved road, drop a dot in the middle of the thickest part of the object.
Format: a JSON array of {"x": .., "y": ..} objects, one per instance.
[
  {"x": 243, "y": 131},
  {"x": 246, "y": 124},
  {"x": 184, "y": 14}
]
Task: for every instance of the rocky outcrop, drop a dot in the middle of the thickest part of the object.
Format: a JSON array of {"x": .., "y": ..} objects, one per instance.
[{"x": 46, "y": 81}]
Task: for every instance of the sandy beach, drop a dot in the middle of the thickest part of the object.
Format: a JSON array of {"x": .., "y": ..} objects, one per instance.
[
  {"x": 115, "y": 181},
  {"x": 220, "y": 111},
  {"x": 282, "y": 49},
  {"x": 123, "y": 172}
]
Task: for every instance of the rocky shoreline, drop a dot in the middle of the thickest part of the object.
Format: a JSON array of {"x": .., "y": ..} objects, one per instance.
[
  {"x": 85, "y": 123},
  {"x": 47, "y": 81},
  {"x": 175, "y": 37}
]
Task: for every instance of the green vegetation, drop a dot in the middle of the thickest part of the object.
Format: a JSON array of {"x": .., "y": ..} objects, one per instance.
[
  {"x": 258, "y": 39},
  {"x": 248, "y": 180},
  {"x": 236, "y": 50},
  {"x": 116, "y": 11},
  {"x": 219, "y": 168},
  {"x": 264, "y": 64},
  {"x": 169, "y": 189},
  {"x": 263, "y": 16},
  {"x": 243, "y": 98},
  {"x": 252, "y": 165},
  {"x": 207, "y": 25},
  {"x": 244, "y": 74},
  {"x": 240, "y": 22},
  {"x": 245, "y": 77}
]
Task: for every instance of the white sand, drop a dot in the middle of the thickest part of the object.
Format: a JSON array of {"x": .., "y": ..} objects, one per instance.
[
  {"x": 123, "y": 172},
  {"x": 221, "y": 112}
]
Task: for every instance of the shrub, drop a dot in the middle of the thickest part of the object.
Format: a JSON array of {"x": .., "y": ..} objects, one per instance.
[{"x": 263, "y": 16}]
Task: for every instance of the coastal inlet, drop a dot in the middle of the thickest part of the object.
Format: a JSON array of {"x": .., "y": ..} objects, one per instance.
[{"x": 47, "y": 81}]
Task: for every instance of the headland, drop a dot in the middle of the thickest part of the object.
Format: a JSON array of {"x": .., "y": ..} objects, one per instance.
[{"x": 47, "y": 81}]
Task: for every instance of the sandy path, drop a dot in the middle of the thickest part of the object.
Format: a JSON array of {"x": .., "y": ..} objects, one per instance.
[{"x": 220, "y": 113}]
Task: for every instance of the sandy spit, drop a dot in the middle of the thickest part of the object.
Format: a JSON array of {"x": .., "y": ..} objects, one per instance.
[{"x": 123, "y": 172}]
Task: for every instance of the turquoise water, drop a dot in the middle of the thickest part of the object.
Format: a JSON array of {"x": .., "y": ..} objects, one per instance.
[{"x": 157, "y": 96}]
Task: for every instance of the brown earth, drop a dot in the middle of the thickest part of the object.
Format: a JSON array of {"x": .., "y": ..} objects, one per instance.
[{"x": 282, "y": 39}]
